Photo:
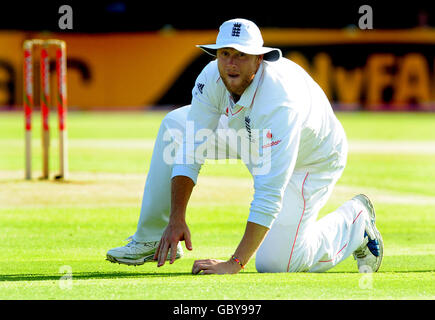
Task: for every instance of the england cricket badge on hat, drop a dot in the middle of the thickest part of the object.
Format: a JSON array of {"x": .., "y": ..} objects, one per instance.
[{"x": 244, "y": 36}]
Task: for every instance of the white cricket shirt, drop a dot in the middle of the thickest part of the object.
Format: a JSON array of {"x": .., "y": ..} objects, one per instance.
[{"x": 286, "y": 119}]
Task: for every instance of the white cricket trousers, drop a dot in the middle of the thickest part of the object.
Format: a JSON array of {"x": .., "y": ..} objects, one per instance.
[{"x": 296, "y": 242}]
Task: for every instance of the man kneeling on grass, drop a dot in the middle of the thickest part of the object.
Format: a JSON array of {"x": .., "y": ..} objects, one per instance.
[{"x": 296, "y": 151}]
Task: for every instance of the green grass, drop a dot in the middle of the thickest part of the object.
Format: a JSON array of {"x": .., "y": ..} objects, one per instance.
[{"x": 55, "y": 235}]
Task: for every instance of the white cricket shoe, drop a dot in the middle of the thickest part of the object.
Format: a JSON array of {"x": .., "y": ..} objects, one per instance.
[
  {"x": 369, "y": 255},
  {"x": 137, "y": 253}
]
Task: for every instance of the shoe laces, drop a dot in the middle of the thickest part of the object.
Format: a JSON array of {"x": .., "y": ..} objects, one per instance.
[{"x": 132, "y": 242}]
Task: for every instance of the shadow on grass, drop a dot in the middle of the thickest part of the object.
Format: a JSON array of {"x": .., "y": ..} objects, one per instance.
[
  {"x": 87, "y": 275},
  {"x": 123, "y": 275}
]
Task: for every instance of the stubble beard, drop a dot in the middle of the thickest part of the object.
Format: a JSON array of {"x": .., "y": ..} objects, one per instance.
[{"x": 238, "y": 91}]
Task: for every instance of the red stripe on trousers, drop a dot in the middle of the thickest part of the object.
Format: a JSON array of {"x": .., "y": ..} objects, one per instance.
[
  {"x": 300, "y": 220},
  {"x": 336, "y": 254},
  {"x": 346, "y": 243}
]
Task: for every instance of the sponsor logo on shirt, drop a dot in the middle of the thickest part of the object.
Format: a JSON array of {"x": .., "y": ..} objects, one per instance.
[
  {"x": 272, "y": 143},
  {"x": 248, "y": 127},
  {"x": 200, "y": 87}
]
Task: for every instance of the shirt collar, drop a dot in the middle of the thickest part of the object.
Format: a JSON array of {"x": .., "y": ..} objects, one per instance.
[{"x": 248, "y": 96}]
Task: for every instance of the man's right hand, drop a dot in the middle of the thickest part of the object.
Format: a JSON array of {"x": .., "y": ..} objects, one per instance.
[
  {"x": 177, "y": 230},
  {"x": 174, "y": 233}
]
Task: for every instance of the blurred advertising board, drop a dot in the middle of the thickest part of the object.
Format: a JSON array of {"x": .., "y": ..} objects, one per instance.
[{"x": 376, "y": 70}]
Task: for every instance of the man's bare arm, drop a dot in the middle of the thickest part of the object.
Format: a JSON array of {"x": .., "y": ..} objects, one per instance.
[
  {"x": 251, "y": 241},
  {"x": 181, "y": 189},
  {"x": 177, "y": 230}
]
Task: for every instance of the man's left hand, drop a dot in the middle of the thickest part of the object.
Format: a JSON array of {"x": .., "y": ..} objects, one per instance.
[{"x": 212, "y": 266}]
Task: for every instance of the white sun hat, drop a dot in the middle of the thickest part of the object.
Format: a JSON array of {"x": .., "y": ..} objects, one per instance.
[{"x": 244, "y": 36}]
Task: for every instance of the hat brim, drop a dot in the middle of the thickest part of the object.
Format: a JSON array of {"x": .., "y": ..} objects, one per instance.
[{"x": 270, "y": 54}]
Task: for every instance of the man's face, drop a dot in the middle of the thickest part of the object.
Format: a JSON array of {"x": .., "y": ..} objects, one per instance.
[{"x": 237, "y": 69}]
